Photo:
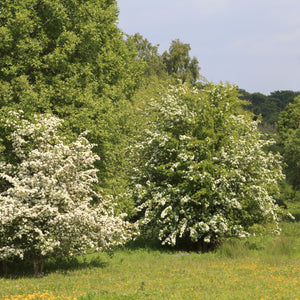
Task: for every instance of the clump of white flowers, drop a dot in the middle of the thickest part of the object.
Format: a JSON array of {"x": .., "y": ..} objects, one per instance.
[
  {"x": 45, "y": 203},
  {"x": 200, "y": 171}
]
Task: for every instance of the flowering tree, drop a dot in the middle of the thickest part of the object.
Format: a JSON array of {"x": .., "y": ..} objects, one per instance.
[
  {"x": 199, "y": 171},
  {"x": 46, "y": 207}
]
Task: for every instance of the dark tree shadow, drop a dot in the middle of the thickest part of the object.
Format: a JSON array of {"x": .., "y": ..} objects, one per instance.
[
  {"x": 24, "y": 268},
  {"x": 297, "y": 217}
]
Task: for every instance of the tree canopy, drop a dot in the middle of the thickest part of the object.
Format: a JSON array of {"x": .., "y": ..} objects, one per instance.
[
  {"x": 269, "y": 107},
  {"x": 148, "y": 54},
  {"x": 179, "y": 64},
  {"x": 69, "y": 58},
  {"x": 176, "y": 64}
]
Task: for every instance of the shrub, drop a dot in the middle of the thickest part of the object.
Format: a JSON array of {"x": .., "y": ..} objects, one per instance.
[
  {"x": 200, "y": 172},
  {"x": 46, "y": 208}
]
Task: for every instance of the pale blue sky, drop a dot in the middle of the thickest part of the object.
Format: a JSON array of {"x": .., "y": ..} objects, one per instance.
[{"x": 252, "y": 43}]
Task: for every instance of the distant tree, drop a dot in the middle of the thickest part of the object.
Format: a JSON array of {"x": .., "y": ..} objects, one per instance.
[
  {"x": 269, "y": 107},
  {"x": 148, "y": 54},
  {"x": 69, "y": 58},
  {"x": 200, "y": 171},
  {"x": 284, "y": 97},
  {"x": 290, "y": 117},
  {"x": 47, "y": 209},
  {"x": 289, "y": 130},
  {"x": 179, "y": 64}
]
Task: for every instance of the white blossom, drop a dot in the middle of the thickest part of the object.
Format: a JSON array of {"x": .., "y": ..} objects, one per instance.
[
  {"x": 206, "y": 161},
  {"x": 46, "y": 208}
]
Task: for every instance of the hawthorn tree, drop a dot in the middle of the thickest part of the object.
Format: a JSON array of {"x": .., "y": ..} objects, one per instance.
[
  {"x": 199, "y": 171},
  {"x": 47, "y": 207}
]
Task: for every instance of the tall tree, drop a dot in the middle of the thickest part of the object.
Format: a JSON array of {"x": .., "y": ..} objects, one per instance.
[
  {"x": 179, "y": 63},
  {"x": 148, "y": 54},
  {"x": 68, "y": 57}
]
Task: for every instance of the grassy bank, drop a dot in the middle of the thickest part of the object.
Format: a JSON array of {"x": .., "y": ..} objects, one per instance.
[{"x": 258, "y": 268}]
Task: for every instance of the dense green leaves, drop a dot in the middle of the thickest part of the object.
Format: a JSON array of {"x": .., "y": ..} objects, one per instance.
[
  {"x": 269, "y": 107},
  {"x": 289, "y": 130},
  {"x": 149, "y": 56},
  {"x": 175, "y": 64},
  {"x": 179, "y": 64},
  {"x": 69, "y": 58}
]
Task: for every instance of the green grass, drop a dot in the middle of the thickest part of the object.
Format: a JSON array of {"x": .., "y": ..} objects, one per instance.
[{"x": 262, "y": 267}]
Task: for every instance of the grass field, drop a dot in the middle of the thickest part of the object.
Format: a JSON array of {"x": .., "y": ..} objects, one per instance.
[{"x": 261, "y": 267}]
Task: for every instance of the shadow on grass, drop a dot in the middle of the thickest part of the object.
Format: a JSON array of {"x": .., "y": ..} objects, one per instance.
[
  {"x": 75, "y": 263},
  {"x": 144, "y": 243},
  {"x": 297, "y": 217},
  {"x": 182, "y": 245},
  {"x": 24, "y": 268}
]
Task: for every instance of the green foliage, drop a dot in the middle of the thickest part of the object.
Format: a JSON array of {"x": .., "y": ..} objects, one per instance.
[
  {"x": 269, "y": 107},
  {"x": 173, "y": 65},
  {"x": 293, "y": 206},
  {"x": 179, "y": 64},
  {"x": 292, "y": 157},
  {"x": 289, "y": 130},
  {"x": 289, "y": 118},
  {"x": 69, "y": 58},
  {"x": 199, "y": 171},
  {"x": 287, "y": 193},
  {"x": 148, "y": 54}
]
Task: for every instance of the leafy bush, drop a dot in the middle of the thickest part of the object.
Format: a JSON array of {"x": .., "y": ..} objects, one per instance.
[{"x": 200, "y": 172}]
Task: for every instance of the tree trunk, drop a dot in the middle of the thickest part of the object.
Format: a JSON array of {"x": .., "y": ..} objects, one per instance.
[
  {"x": 4, "y": 268},
  {"x": 38, "y": 266}
]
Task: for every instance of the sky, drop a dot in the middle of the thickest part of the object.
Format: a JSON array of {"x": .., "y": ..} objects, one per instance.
[{"x": 252, "y": 43}]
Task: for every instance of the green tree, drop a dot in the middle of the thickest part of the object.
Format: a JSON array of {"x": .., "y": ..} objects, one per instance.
[
  {"x": 289, "y": 130},
  {"x": 69, "y": 57},
  {"x": 284, "y": 97},
  {"x": 269, "y": 107},
  {"x": 179, "y": 63},
  {"x": 289, "y": 118},
  {"x": 200, "y": 171},
  {"x": 148, "y": 54}
]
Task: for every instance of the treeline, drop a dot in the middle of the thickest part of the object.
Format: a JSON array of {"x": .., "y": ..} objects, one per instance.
[{"x": 269, "y": 107}]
